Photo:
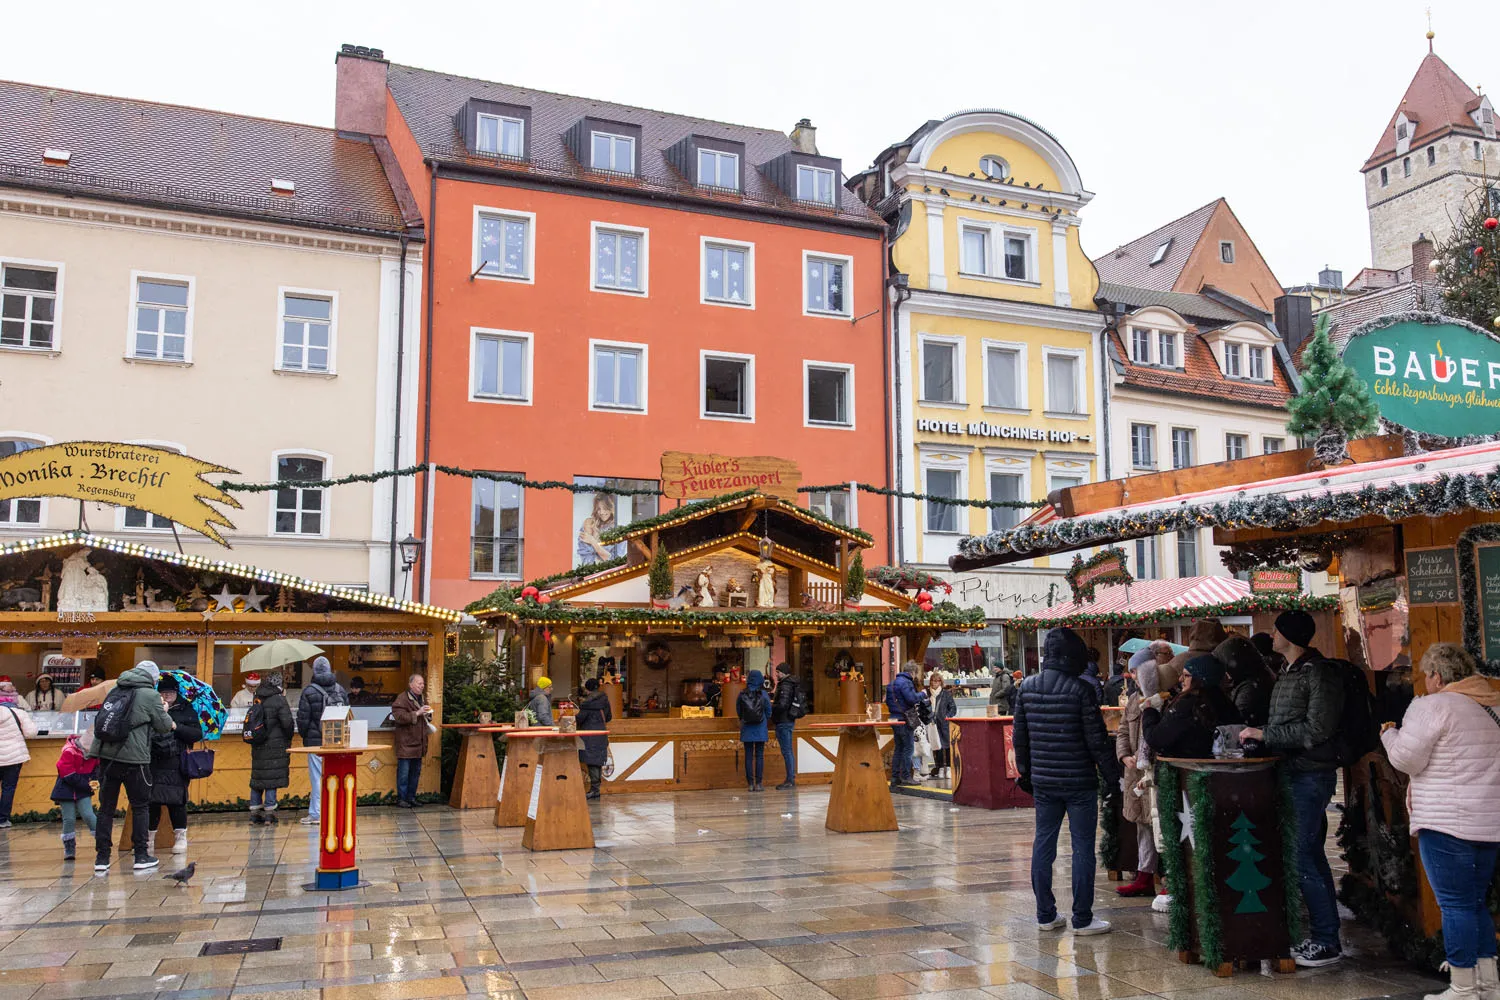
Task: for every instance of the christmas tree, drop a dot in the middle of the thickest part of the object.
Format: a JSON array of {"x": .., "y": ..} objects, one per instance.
[
  {"x": 660, "y": 575},
  {"x": 1334, "y": 405},
  {"x": 854, "y": 585},
  {"x": 1247, "y": 878},
  {"x": 1468, "y": 265}
]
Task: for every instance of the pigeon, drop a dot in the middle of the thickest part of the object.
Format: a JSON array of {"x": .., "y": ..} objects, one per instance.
[{"x": 181, "y": 878}]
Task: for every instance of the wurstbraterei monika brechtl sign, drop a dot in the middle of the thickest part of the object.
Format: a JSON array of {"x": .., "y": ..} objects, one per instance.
[{"x": 1430, "y": 374}]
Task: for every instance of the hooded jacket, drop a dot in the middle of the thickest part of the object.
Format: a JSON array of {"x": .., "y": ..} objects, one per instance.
[
  {"x": 541, "y": 706},
  {"x": 1060, "y": 740},
  {"x": 1450, "y": 746},
  {"x": 74, "y": 772},
  {"x": 781, "y": 701},
  {"x": 168, "y": 782},
  {"x": 901, "y": 695},
  {"x": 271, "y": 760},
  {"x": 322, "y": 693},
  {"x": 1204, "y": 636},
  {"x": 146, "y": 712},
  {"x": 1150, "y": 678},
  {"x": 594, "y": 713},
  {"x": 1002, "y": 689},
  {"x": 1250, "y": 682},
  {"x": 755, "y": 688},
  {"x": 16, "y": 728}
]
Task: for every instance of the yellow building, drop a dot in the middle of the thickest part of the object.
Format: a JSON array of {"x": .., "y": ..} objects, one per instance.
[{"x": 995, "y": 383}]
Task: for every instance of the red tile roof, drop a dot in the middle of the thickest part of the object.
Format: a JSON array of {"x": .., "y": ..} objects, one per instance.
[
  {"x": 1435, "y": 99},
  {"x": 1130, "y": 264},
  {"x": 167, "y": 155},
  {"x": 1201, "y": 376}
]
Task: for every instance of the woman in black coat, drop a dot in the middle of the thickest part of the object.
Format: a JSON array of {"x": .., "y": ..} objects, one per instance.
[
  {"x": 169, "y": 782},
  {"x": 1188, "y": 724},
  {"x": 270, "y": 759},
  {"x": 594, "y": 713}
]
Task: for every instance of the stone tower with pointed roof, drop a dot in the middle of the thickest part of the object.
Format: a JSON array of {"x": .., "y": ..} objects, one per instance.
[{"x": 1438, "y": 148}]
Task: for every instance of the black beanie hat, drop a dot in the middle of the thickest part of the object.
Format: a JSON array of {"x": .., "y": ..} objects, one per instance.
[
  {"x": 1206, "y": 670},
  {"x": 1297, "y": 627}
]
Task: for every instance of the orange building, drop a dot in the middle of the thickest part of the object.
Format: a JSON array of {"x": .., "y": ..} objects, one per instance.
[{"x": 606, "y": 283}]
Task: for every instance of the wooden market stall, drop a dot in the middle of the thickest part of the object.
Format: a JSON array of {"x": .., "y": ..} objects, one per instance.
[
  {"x": 76, "y": 603},
  {"x": 751, "y": 581}
]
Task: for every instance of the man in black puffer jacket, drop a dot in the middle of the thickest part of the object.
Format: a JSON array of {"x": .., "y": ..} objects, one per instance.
[{"x": 1062, "y": 749}]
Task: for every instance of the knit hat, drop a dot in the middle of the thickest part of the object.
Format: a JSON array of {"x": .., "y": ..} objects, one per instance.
[
  {"x": 1262, "y": 643},
  {"x": 784, "y": 669},
  {"x": 168, "y": 683},
  {"x": 1206, "y": 670},
  {"x": 151, "y": 668},
  {"x": 1297, "y": 627},
  {"x": 543, "y": 683},
  {"x": 592, "y": 684}
]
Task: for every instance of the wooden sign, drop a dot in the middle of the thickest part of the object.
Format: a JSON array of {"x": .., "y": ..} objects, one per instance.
[
  {"x": 1487, "y": 563},
  {"x": 79, "y": 647},
  {"x": 688, "y": 476},
  {"x": 1275, "y": 581},
  {"x": 1432, "y": 576}
]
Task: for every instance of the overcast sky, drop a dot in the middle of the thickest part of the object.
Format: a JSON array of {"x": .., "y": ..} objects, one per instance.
[{"x": 1163, "y": 105}]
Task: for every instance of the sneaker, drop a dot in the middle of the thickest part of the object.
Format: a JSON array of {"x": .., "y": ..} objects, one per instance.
[
  {"x": 179, "y": 842},
  {"x": 1162, "y": 903},
  {"x": 4, "y": 824},
  {"x": 1096, "y": 926},
  {"x": 785, "y": 785},
  {"x": 308, "y": 821},
  {"x": 1055, "y": 924},
  {"x": 143, "y": 862},
  {"x": 1315, "y": 956},
  {"x": 101, "y": 865}
]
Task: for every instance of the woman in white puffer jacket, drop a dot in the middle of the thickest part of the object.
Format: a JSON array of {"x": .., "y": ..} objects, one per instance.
[
  {"x": 16, "y": 728},
  {"x": 1449, "y": 743}
]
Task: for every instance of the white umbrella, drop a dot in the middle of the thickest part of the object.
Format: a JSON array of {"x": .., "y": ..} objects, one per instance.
[{"x": 277, "y": 653}]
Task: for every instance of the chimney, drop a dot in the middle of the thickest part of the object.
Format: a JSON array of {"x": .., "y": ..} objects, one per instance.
[
  {"x": 1329, "y": 278},
  {"x": 1422, "y": 253},
  {"x": 359, "y": 96},
  {"x": 805, "y": 137},
  {"x": 1294, "y": 320}
]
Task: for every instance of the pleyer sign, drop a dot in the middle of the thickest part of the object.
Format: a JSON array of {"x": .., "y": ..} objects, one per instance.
[{"x": 1434, "y": 378}]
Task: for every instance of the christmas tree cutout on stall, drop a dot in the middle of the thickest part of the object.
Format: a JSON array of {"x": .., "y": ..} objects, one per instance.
[{"x": 1247, "y": 878}]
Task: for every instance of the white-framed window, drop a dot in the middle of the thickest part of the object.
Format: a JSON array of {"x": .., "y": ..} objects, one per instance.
[
  {"x": 1005, "y": 375},
  {"x": 504, "y": 244},
  {"x": 1385, "y": 174},
  {"x": 135, "y": 519},
  {"x": 1005, "y": 486},
  {"x": 617, "y": 376},
  {"x": 1236, "y": 446},
  {"x": 1259, "y": 370},
  {"x": 501, "y": 136},
  {"x": 1142, "y": 446},
  {"x": 728, "y": 382},
  {"x": 1064, "y": 369},
  {"x": 1234, "y": 360},
  {"x": 828, "y": 394},
  {"x": 1272, "y": 445},
  {"x": 306, "y": 331},
  {"x": 1187, "y": 553},
  {"x": 1431, "y": 155},
  {"x": 825, "y": 284},
  {"x": 942, "y": 517},
  {"x": 29, "y": 292},
  {"x": 500, "y": 364},
  {"x": 994, "y": 167},
  {"x": 991, "y": 250},
  {"x": 1146, "y": 565},
  {"x": 299, "y": 509},
  {"x": 719, "y": 169},
  {"x": 161, "y": 312},
  {"x": 974, "y": 256},
  {"x": 815, "y": 184},
  {"x": 1167, "y": 353},
  {"x": 22, "y": 513},
  {"x": 1140, "y": 345},
  {"x": 1018, "y": 257},
  {"x": 832, "y": 504},
  {"x": 1406, "y": 166},
  {"x": 620, "y": 259},
  {"x": 1184, "y": 449},
  {"x": 615, "y": 153},
  {"x": 942, "y": 370},
  {"x": 1226, "y": 251},
  {"x": 495, "y": 532},
  {"x": 728, "y": 277}
]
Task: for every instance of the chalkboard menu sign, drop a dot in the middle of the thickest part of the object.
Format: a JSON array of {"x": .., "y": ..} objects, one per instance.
[
  {"x": 1432, "y": 576},
  {"x": 1488, "y": 559}
]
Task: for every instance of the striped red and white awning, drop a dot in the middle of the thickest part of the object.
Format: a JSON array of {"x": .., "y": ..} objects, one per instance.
[{"x": 1147, "y": 596}]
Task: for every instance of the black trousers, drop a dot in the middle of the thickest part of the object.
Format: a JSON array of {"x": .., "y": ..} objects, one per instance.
[
  {"x": 132, "y": 777},
  {"x": 176, "y": 813},
  {"x": 755, "y": 761}
]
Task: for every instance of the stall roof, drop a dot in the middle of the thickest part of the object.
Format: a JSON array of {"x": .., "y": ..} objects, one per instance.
[
  {"x": 1394, "y": 488},
  {"x": 1148, "y": 602}
]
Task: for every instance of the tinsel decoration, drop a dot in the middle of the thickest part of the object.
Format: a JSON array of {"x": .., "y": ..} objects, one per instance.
[
  {"x": 1245, "y": 556},
  {"x": 1083, "y": 579},
  {"x": 1252, "y": 605},
  {"x": 1333, "y": 405},
  {"x": 1468, "y": 593}
]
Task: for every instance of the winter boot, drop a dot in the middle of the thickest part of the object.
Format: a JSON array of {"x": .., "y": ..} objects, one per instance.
[
  {"x": 179, "y": 841},
  {"x": 1144, "y": 885},
  {"x": 70, "y": 853},
  {"x": 1463, "y": 984},
  {"x": 1489, "y": 980}
]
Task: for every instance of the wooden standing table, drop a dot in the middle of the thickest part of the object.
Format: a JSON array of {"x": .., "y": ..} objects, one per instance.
[
  {"x": 337, "y": 829},
  {"x": 514, "y": 789},
  {"x": 557, "y": 813},
  {"x": 860, "y": 801},
  {"x": 477, "y": 780}
]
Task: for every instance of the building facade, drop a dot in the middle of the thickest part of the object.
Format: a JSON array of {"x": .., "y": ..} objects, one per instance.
[
  {"x": 223, "y": 286},
  {"x": 607, "y": 283},
  {"x": 1435, "y": 157}
]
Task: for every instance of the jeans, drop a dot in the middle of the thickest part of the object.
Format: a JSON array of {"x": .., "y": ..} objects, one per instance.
[
  {"x": 114, "y": 775},
  {"x": 408, "y": 773},
  {"x": 262, "y": 800},
  {"x": 9, "y": 775},
  {"x": 1311, "y": 792},
  {"x": 315, "y": 783},
  {"x": 901, "y": 756},
  {"x": 787, "y": 740},
  {"x": 1460, "y": 872},
  {"x": 755, "y": 762},
  {"x": 72, "y": 811},
  {"x": 177, "y": 814},
  {"x": 1082, "y": 809}
]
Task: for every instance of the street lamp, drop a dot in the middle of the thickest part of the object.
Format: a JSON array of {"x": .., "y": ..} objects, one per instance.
[{"x": 411, "y": 551}]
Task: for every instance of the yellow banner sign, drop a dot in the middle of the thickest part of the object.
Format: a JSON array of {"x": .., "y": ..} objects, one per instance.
[{"x": 126, "y": 475}]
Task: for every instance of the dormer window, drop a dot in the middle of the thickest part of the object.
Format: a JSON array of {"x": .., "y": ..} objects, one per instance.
[
  {"x": 718, "y": 169},
  {"x": 1161, "y": 253},
  {"x": 1166, "y": 349},
  {"x": 994, "y": 168},
  {"x": 1406, "y": 129},
  {"x": 1234, "y": 364},
  {"x": 1402, "y": 131},
  {"x": 500, "y": 136},
  {"x": 1140, "y": 346},
  {"x": 615, "y": 153},
  {"x": 814, "y": 184},
  {"x": 1258, "y": 364}
]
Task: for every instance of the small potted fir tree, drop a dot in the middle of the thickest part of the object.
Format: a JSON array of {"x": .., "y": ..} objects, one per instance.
[
  {"x": 854, "y": 583},
  {"x": 660, "y": 578}
]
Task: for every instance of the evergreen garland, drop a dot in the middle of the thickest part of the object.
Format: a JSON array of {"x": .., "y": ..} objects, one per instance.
[
  {"x": 1205, "y": 888},
  {"x": 1468, "y": 264},
  {"x": 1254, "y": 604},
  {"x": 905, "y": 577},
  {"x": 945, "y": 615},
  {"x": 1179, "y": 920},
  {"x": 1284, "y": 552},
  {"x": 1334, "y": 404},
  {"x": 1085, "y": 591},
  {"x": 543, "y": 582},
  {"x": 696, "y": 507},
  {"x": 929, "y": 497},
  {"x": 1287, "y": 812}
]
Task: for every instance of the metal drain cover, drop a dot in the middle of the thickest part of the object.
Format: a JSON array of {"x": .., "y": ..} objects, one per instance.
[{"x": 241, "y": 947}]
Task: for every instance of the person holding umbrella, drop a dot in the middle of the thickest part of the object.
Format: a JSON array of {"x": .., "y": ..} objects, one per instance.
[
  {"x": 168, "y": 779},
  {"x": 268, "y": 730}
]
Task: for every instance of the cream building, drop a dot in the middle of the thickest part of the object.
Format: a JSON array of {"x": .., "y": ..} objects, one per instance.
[{"x": 228, "y": 287}]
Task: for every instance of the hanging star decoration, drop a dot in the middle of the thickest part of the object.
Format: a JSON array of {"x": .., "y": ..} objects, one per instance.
[
  {"x": 253, "y": 601},
  {"x": 224, "y": 599},
  {"x": 1185, "y": 817}
]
